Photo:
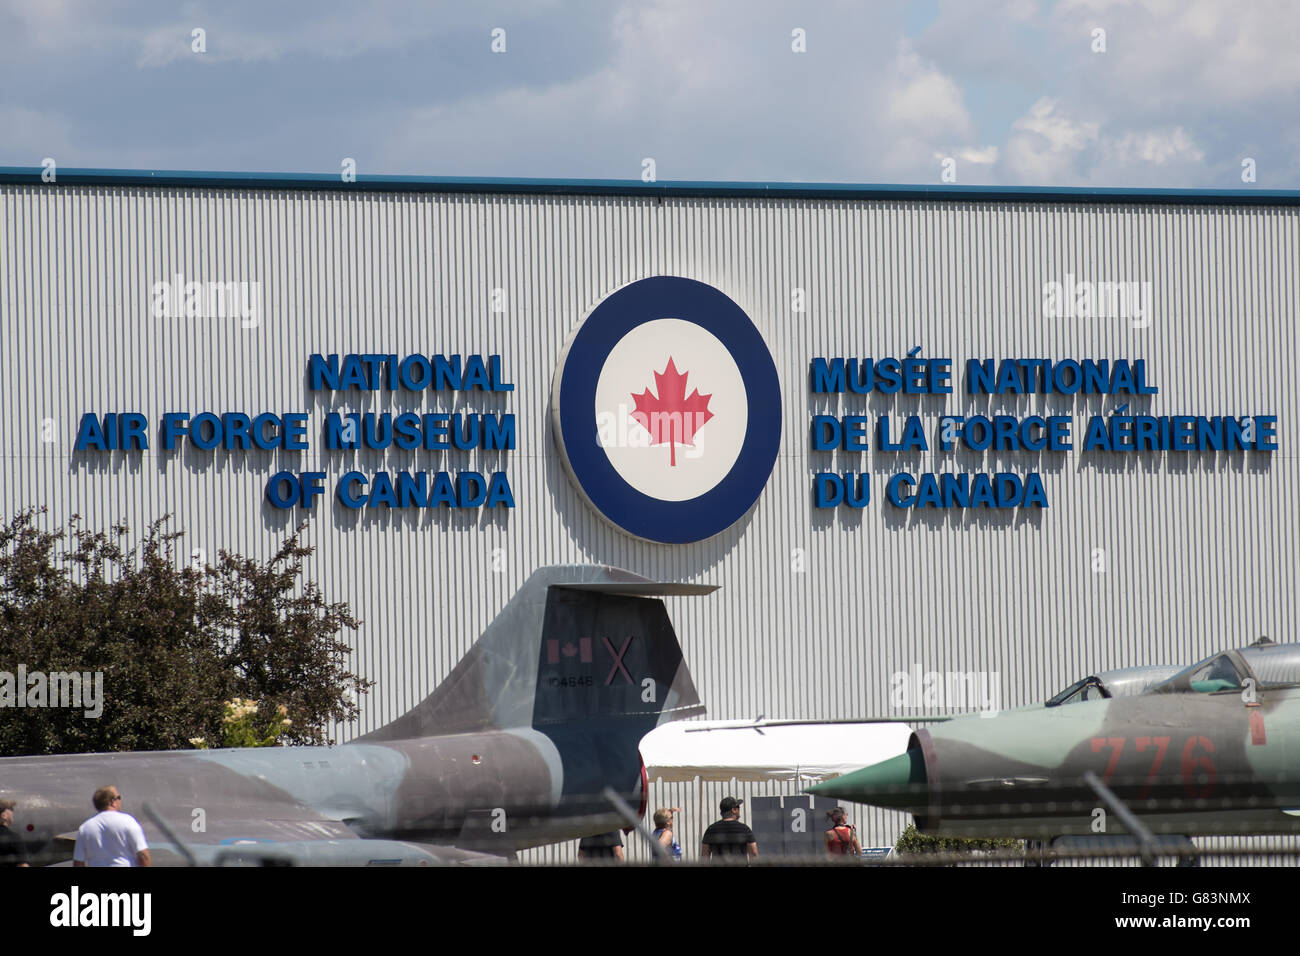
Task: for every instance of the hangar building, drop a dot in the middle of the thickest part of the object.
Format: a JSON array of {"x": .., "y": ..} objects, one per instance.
[{"x": 1098, "y": 383}]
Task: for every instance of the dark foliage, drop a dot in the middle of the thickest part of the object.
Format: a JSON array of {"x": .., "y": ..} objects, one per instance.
[{"x": 173, "y": 642}]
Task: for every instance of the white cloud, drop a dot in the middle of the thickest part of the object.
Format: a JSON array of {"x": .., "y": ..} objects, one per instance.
[
  {"x": 985, "y": 156},
  {"x": 923, "y": 100},
  {"x": 166, "y": 45},
  {"x": 1049, "y": 147},
  {"x": 1060, "y": 133},
  {"x": 1045, "y": 146},
  {"x": 710, "y": 94},
  {"x": 1157, "y": 146},
  {"x": 1191, "y": 51}
]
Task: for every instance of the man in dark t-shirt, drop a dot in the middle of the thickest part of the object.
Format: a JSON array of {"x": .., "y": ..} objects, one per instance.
[
  {"x": 728, "y": 838},
  {"x": 604, "y": 847}
]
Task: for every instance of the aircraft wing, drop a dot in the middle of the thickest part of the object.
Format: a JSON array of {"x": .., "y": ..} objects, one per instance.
[
  {"x": 299, "y": 837},
  {"x": 761, "y": 723},
  {"x": 217, "y": 807}
]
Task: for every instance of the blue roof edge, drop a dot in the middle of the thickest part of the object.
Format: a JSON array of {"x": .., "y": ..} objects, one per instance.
[{"x": 29, "y": 175}]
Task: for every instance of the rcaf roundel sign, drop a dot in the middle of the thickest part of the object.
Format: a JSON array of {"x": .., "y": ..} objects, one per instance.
[{"x": 667, "y": 410}]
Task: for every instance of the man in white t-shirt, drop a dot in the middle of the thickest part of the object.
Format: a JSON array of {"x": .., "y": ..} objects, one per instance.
[{"x": 110, "y": 837}]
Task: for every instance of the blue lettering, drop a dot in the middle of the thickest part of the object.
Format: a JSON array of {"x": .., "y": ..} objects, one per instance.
[
  {"x": 276, "y": 490},
  {"x": 980, "y": 377},
  {"x": 825, "y": 432},
  {"x": 173, "y": 425},
  {"x": 90, "y": 434},
  {"x": 345, "y": 490},
  {"x": 494, "y": 371},
  {"x": 499, "y": 491},
  {"x": 472, "y": 489},
  {"x": 827, "y": 377},
  {"x": 446, "y": 372},
  {"x": 444, "y": 493},
  {"x": 855, "y": 432},
  {"x": 196, "y": 431},
  {"x": 499, "y": 433},
  {"x": 413, "y": 490},
  {"x": 895, "y": 492},
  {"x": 323, "y": 372},
  {"x": 827, "y": 490},
  {"x": 381, "y": 490}
]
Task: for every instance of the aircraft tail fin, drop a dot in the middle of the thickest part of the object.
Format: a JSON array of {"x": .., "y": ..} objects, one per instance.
[{"x": 576, "y": 644}]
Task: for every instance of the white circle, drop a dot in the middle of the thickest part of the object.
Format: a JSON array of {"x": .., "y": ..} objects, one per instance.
[{"x": 709, "y": 429}]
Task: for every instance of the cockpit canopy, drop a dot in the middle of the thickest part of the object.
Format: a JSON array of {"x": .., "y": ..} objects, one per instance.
[
  {"x": 1268, "y": 665},
  {"x": 1124, "y": 682},
  {"x": 1090, "y": 688}
]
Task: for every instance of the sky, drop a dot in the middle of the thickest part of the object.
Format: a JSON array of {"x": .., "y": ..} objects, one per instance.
[{"x": 1194, "y": 93}]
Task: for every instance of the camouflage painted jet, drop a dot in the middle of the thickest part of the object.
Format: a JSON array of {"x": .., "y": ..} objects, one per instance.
[
  {"x": 514, "y": 749},
  {"x": 1214, "y": 749}
]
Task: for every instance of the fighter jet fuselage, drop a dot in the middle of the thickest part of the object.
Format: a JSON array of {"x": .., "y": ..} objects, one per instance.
[{"x": 1214, "y": 749}]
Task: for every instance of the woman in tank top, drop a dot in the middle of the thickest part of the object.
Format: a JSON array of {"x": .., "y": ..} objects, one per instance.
[{"x": 664, "y": 832}]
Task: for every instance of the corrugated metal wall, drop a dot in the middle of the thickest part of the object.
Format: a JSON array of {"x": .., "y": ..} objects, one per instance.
[{"x": 818, "y": 608}]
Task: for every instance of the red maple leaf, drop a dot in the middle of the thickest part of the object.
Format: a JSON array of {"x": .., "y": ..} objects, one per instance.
[{"x": 672, "y": 417}]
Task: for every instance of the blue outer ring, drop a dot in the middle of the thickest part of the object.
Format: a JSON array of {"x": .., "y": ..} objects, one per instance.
[{"x": 669, "y": 522}]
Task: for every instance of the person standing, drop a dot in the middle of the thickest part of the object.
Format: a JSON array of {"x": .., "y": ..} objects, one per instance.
[
  {"x": 12, "y": 850},
  {"x": 605, "y": 847},
  {"x": 728, "y": 838},
  {"x": 842, "y": 837},
  {"x": 111, "y": 837},
  {"x": 664, "y": 832}
]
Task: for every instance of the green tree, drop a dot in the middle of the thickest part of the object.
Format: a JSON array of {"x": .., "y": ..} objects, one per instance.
[{"x": 174, "y": 643}]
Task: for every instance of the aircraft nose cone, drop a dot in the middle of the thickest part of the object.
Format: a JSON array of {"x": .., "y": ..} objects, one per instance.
[{"x": 896, "y": 782}]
